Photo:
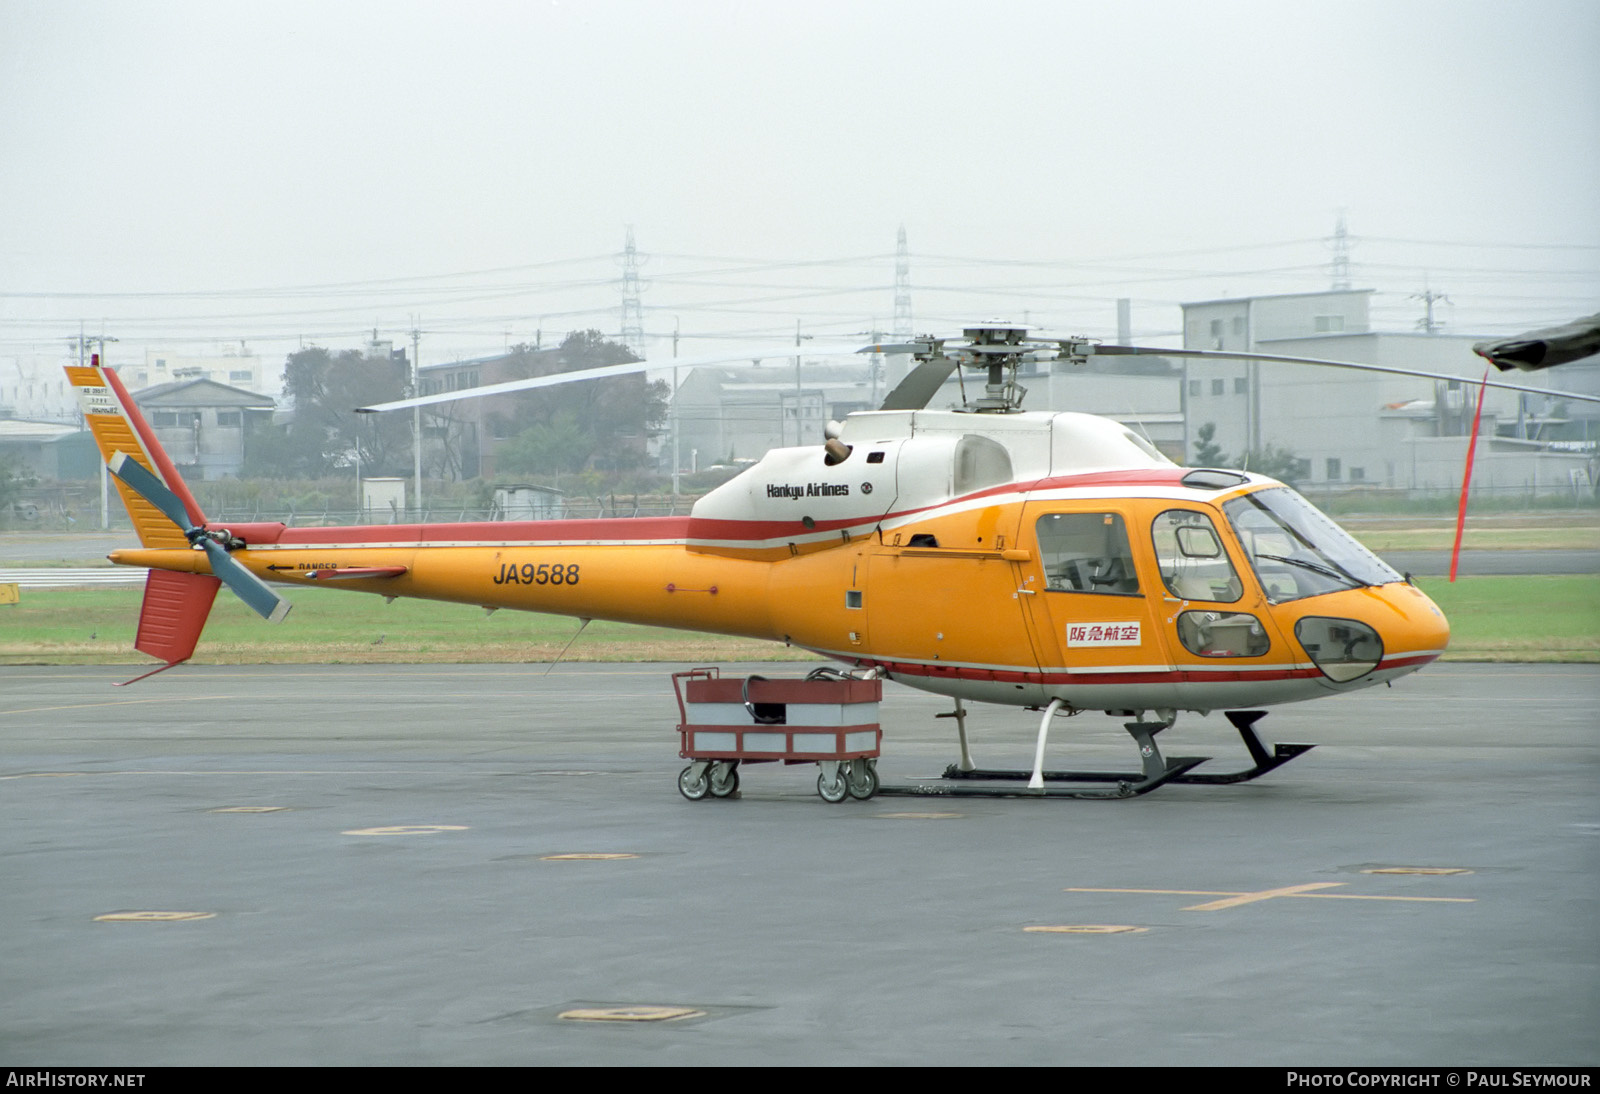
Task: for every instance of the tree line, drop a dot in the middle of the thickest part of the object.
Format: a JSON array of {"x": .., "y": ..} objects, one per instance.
[{"x": 603, "y": 425}]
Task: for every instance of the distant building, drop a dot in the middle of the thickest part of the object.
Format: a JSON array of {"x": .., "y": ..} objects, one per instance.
[
  {"x": 461, "y": 437},
  {"x": 203, "y": 424},
  {"x": 1227, "y": 393},
  {"x": 456, "y": 436},
  {"x": 740, "y": 413},
  {"x": 242, "y": 370},
  {"x": 34, "y": 387},
  {"x": 48, "y": 450},
  {"x": 1353, "y": 429}
]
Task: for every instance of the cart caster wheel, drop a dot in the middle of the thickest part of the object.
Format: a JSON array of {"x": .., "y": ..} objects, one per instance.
[
  {"x": 863, "y": 780},
  {"x": 838, "y": 791},
  {"x": 690, "y": 787},
  {"x": 724, "y": 779}
]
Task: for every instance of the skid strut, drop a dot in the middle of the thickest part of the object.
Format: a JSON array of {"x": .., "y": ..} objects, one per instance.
[
  {"x": 1156, "y": 772},
  {"x": 1144, "y": 733}
]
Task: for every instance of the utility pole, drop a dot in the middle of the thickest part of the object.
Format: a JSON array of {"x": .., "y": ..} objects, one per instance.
[
  {"x": 632, "y": 308},
  {"x": 902, "y": 288},
  {"x": 416, "y": 412},
  {"x": 676, "y": 322},
  {"x": 903, "y": 324},
  {"x": 82, "y": 342},
  {"x": 1341, "y": 255},
  {"x": 1428, "y": 297}
]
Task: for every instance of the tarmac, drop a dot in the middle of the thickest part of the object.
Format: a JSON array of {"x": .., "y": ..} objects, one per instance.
[{"x": 370, "y": 858}]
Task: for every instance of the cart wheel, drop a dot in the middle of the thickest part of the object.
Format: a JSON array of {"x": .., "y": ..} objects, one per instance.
[
  {"x": 863, "y": 779},
  {"x": 690, "y": 787},
  {"x": 838, "y": 792},
  {"x": 724, "y": 780}
]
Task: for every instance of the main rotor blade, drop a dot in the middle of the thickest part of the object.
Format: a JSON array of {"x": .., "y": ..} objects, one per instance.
[
  {"x": 749, "y": 353},
  {"x": 920, "y": 385},
  {"x": 150, "y": 488},
  {"x": 246, "y": 586},
  {"x": 1090, "y": 350}
]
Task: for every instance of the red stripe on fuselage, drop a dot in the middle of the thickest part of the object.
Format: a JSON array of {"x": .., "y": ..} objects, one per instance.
[
  {"x": 1153, "y": 676},
  {"x": 620, "y": 529},
  {"x": 671, "y": 529}
]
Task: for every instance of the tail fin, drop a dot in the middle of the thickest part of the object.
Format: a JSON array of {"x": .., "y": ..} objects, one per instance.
[
  {"x": 114, "y": 419},
  {"x": 176, "y": 605}
]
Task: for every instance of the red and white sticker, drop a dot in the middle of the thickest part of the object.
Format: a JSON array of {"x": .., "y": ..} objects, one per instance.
[{"x": 1103, "y": 634}]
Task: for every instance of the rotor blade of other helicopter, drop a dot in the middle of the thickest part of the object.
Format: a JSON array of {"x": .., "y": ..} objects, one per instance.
[
  {"x": 1543, "y": 348},
  {"x": 1229, "y": 355},
  {"x": 148, "y": 487},
  {"x": 920, "y": 385},
  {"x": 246, "y": 586},
  {"x": 750, "y": 353}
]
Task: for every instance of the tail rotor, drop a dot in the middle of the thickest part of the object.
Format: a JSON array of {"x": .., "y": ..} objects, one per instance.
[{"x": 246, "y": 586}]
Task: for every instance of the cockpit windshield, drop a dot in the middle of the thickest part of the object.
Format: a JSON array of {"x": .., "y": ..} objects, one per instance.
[{"x": 1297, "y": 551}]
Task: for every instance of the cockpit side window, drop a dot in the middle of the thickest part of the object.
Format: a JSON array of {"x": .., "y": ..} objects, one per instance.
[
  {"x": 1190, "y": 555},
  {"x": 1086, "y": 553}
]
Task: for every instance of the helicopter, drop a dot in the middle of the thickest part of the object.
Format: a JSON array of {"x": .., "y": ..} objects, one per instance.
[{"x": 1054, "y": 561}]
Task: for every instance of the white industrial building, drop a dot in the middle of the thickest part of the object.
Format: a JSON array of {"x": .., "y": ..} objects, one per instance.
[{"x": 1353, "y": 429}]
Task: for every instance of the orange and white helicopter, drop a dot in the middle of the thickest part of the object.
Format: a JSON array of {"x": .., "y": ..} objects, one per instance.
[{"x": 1053, "y": 561}]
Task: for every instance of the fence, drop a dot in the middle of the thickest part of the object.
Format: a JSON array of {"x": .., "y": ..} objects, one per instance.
[{"x": 46, "y": 514}]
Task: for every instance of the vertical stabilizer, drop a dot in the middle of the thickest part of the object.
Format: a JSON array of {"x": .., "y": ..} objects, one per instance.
[
  {"x": 117, "y": 425},
  {"x": 175, "y": 605}
]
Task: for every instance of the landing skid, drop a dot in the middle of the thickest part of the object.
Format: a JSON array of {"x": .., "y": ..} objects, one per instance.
[
  {"x": 1128, "y": 786},
  {"x": 1157, "y": 772}
]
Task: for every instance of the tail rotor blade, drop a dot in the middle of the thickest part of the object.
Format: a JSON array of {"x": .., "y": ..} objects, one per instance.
[
  {"x": 150, "y": 488},
  {"x": 245, "y": 585}
]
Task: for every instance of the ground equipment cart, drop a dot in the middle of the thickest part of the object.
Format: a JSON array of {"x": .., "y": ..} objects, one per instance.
[{"x": 829, "y": 718}]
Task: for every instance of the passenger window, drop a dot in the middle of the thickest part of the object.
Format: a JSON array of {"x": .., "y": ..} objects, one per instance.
[
  {"x": 1086, "y": 553},
  {"x": 1189, "y": 554}
]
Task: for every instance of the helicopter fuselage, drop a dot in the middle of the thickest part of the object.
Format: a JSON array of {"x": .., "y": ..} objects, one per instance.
[{"x": 1012, "y": 558}]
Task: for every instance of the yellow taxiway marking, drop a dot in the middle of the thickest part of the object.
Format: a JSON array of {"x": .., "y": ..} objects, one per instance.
[
  {"x": 122, "y": 703},
  {"x": 1235, "y": 899},
  {"x": 406, "y": 830},
  {"x": 630, "y": 1014},
  {"x": 152, "y": 917},
  {"x": 1088, "y": 928},
  {"x": 589, "y": 856}
]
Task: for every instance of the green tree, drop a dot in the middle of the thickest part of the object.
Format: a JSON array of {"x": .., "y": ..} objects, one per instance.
[
  {"x": 1207, "y": 453},
  {"x": 1270, "y": 460},
  {"x": 1274, "y": 462},
  {"x": 325, "y": 434},
  {"x": 590, "y": 424}
]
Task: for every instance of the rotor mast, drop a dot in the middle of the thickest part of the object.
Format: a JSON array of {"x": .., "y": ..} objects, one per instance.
[{"x": 998, "y": 349}]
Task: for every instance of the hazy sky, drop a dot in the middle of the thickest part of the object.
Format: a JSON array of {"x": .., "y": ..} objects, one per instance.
[{"x": 1164, "y": 151}]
